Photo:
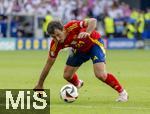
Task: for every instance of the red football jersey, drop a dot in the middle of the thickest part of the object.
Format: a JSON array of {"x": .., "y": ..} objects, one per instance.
[{"x": 73, "y": 28}]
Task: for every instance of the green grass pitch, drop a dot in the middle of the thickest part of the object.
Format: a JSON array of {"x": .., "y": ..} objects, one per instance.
[{"x": 21, "y": 69}]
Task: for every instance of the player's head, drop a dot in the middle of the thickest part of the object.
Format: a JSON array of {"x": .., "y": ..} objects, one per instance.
[{"x": 55, "y": 29}]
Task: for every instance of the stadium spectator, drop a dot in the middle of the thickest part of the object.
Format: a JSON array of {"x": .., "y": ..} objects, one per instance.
[
  {"x": 109, "y": 26},
  {"x": 3, "y": 26},
  {"x": 119, "y": 27},
  {"x": 83, "y": 12},
  {"x": 48, "y": 18},
  {"x": 126, "y": 10},
  {"x": 147, "y": 14},
  {"x": 16, "y": 7},
  {"x": 140, "y": 24},
  {"x": 115, "y": 11},
  {"x": 130, "y": 30},
  {"x": 27, "y": 30},
  {"x": 15, "y": 23},
  {"x": 8, "y": 4},
  {"x": 134, "y": 14},
  {"x": 29, "y": 8},
  {"x": 97, "y": 10},
  {"x": 1, "y": 6}
]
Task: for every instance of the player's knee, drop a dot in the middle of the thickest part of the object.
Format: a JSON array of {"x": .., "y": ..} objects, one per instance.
[
  {"x": 67, "y": 76},
  {"x": 101, "y": 75}
]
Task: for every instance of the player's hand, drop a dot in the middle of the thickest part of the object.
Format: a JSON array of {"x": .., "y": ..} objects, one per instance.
[
  {"x": 83, "y": 35},
  {"x": 38, "y": 88}
]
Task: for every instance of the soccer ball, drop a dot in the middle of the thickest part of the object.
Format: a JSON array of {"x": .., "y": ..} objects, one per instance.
[{"x": 69, "y": 93}]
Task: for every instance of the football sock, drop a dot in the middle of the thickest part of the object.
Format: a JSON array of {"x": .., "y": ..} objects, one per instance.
[
  {"x": 74, "y": 80},
  {"x": 113, "y": 82}
]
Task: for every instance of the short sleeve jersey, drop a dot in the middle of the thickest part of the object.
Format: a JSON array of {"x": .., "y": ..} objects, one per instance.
[{"x": 73, "y": 28}]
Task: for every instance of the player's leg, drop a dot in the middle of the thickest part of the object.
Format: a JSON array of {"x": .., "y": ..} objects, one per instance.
[
  {"x": 110, "y": 79},
  {"x": 71, "y": 76},
  {"x": 74, "y": 61},
  {"x": 98, "y": 58}
]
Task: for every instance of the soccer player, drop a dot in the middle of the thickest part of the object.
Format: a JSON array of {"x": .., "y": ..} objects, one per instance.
[{"x": 86, "y": 43}]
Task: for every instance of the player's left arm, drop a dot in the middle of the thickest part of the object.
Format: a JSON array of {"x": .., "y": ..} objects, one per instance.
[{"x": 91, "y": 25}]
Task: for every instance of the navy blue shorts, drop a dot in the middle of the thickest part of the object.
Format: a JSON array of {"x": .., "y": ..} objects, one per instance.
[{"x": 96, "y": 54}]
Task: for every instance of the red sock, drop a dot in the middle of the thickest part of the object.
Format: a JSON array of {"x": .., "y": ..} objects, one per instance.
[
  {"x": 74, "y": 79},
  {"x": 113, "y": 82}
]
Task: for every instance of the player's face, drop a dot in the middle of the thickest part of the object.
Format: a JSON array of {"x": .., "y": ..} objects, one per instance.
[{"x": 59, "y": 35}]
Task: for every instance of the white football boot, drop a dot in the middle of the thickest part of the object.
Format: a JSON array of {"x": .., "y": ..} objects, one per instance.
[
  {"x": 80, "y": 84},
  {"x": 123, "y": 96}
]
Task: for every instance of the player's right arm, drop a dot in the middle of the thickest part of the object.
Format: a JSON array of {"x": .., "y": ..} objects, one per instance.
[
  {"x": 49, "y": 63},
  {"x": 53, "y": 52}
]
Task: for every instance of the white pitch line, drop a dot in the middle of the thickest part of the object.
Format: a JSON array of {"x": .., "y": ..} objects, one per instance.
[{"x": 86, "y": 106}]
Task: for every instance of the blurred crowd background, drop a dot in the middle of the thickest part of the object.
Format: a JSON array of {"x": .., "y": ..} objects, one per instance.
[{"x": 116, "y": 18}]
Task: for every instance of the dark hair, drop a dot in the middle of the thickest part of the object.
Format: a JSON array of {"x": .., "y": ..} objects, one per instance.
[{"x": 54, "y": 25}]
